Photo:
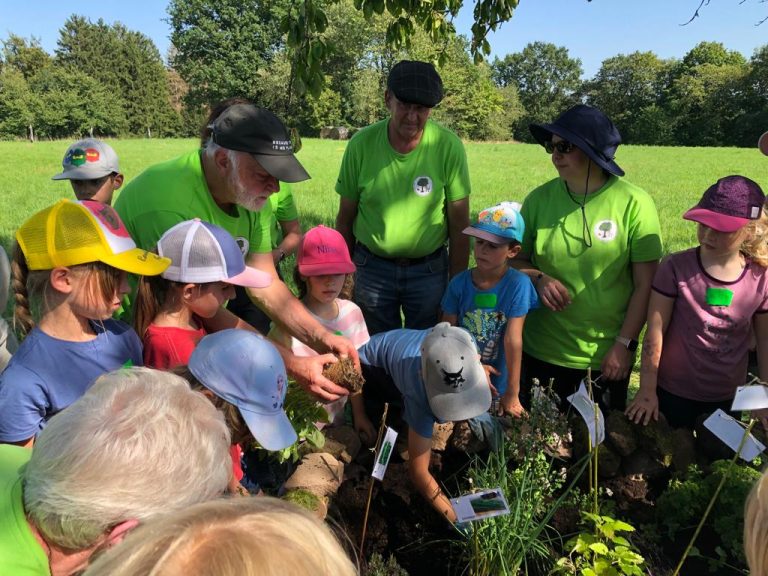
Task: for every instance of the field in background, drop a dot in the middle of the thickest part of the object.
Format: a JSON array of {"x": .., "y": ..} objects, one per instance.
[{"x": 675, "y": 177}]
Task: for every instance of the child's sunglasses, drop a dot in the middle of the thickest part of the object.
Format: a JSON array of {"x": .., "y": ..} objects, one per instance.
[{"x": 563, "y": 146}]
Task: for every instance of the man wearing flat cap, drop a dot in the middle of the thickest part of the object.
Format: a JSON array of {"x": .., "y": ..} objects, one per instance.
[
  {"x": 228, "y": 183},
  {"x": 404, "y": 194}
]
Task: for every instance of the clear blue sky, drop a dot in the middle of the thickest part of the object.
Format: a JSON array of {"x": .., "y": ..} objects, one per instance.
[{"x": 592, "y": 31}]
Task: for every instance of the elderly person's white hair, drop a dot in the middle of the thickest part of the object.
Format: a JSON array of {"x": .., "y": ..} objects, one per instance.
[{"x": 137, "y": 444}]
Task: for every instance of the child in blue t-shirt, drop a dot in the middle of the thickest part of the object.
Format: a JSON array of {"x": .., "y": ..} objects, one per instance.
[
  {"x": 491, "y": 300},
  {"x": 71, "y": 260}
]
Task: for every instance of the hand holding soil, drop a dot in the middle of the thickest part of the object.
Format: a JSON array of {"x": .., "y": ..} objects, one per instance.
[{"x": 344, "y": 373}]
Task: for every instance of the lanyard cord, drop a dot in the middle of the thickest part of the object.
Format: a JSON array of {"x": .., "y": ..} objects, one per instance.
[{"x": 586, "y": 233}]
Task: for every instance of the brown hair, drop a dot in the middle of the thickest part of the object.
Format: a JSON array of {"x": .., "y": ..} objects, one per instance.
[
  {"x": 347, "y": 288},
  {"x": 238, "y": 429},
  {"x": 151, "y": 295},
  {"x": 102, "y": 281}
]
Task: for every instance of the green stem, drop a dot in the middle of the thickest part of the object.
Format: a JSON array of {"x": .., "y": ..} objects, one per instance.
[{"x": 714, "y": 497}]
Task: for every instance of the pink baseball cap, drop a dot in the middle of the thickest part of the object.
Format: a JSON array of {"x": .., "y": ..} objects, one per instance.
[
  {"x": 324, "y": 251},
  {"x": 729, "y": 204}
]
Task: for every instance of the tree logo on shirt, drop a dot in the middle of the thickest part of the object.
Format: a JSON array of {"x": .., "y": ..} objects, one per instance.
[
  {"x": 606, "y": 230},
  {"x": 243, "y": 244},
  {"x": 422, "y": 185}
]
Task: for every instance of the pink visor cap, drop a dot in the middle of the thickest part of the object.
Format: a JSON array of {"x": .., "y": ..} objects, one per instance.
[
  {"x": 201, "y": 252},
  {"x": 729, "y": 204}
]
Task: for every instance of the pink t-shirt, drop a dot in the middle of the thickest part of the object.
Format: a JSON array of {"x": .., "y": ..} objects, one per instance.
[
  {"x": 348, "y": 323},
  {"x": 706, "y": 346}
]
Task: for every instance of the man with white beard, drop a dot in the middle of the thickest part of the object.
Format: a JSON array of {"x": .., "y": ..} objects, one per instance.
[{"x": 227, "y": 183}]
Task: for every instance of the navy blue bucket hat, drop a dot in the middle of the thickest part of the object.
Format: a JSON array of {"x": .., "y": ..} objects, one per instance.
[{"x": 590, "y": 130}]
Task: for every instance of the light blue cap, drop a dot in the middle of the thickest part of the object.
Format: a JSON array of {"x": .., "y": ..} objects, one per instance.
[{"x": 499, "y": 224}]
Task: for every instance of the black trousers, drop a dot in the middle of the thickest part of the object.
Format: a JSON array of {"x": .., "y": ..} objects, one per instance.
[{"x": 610, "y": 394}]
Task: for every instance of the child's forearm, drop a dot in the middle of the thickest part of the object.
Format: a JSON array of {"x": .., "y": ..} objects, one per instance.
[
  {"x": 513, "y": 351},
  {"x": 649, "y": 362}
]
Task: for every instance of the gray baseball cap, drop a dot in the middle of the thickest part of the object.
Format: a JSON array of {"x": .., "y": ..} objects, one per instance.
[
  {"x": 88, "y": 159},
  {"x": 454, "y": 380}
]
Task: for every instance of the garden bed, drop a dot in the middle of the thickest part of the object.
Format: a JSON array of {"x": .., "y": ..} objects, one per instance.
[{"x": 548, "y": 491}]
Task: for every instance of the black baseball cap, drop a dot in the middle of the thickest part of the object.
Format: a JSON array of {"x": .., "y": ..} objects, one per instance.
[
  {"x": 248, "y": 128},
  {"x": 414, "y": 82}
]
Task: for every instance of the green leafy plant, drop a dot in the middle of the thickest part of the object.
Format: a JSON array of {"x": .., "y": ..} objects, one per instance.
[
  {"x": 303, "y": 411},
  {"x": 684, "y": 502},
  {"x": 601, "y": 550}
]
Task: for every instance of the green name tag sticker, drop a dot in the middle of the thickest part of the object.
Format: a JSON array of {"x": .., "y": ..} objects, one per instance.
[
  {"x": 719, "y": 296},
  {"x": 486, "y": 300}
]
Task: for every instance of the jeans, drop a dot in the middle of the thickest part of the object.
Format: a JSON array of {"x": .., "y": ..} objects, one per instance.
[{"x": 383, "y": 287}]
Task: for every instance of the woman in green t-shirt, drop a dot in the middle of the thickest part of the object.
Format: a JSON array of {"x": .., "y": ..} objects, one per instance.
[{"x": 591, "y": 247}]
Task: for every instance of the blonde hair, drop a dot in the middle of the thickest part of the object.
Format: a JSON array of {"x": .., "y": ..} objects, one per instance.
[
  {"x": 137, "y": 444},
  {"x": 755, "y": 244},
  {"x": 756, "y": 528},
  {"x": 242, "y": 537},
  {"x": 32, "y": 288}
]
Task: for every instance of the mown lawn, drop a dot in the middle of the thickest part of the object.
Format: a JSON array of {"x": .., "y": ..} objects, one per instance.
[{"x": 675, "y": 177}]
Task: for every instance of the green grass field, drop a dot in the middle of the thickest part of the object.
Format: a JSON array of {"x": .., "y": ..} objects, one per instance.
[{"x": 675, "y": 177}]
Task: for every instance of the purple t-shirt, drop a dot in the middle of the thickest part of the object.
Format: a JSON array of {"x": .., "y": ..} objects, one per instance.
[{"x": 706, "y": 344}]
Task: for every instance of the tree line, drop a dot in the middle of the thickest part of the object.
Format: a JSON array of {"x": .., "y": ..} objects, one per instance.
[{"x": 106, "y": 80}]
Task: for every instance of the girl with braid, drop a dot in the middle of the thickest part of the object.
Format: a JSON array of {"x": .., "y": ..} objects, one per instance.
[{"x": 69, "y": 264}]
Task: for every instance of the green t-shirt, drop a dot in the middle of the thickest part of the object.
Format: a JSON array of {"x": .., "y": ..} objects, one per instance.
[
  {"x": 173, "y": 191},
  {"x": 624, "y": 227},
  {"x": 20, "y": 553},
  {"x": 401, "y": 197},
  {"x": 283, "y": 210}
]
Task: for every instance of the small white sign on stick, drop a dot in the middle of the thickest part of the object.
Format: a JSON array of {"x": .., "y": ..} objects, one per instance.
[
  {"x": 384, "y": 453},
  {"x": 480, "y": 505},
  {"x": 586, "y": 408},
  {"x": 731, "y": 431},
  {"x": 752, "y": 397}
]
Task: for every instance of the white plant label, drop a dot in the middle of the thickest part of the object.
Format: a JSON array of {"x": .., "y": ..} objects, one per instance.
[
  {"x": 731, "y": 431},
  {"x": 384, "y": 453},
  {"x": 750, "y": 397},
  {"x": 586, "y": 408}
]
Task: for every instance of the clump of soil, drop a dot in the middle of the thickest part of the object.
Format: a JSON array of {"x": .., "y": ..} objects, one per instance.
[{"x": 344, "y": 374}]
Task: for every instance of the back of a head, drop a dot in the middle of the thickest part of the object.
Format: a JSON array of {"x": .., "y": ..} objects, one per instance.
[
  {"x": 138, "y": 443},
  {"x": 756, "y": 528},
  {"x": 253, "y": 537}
]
